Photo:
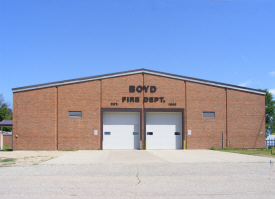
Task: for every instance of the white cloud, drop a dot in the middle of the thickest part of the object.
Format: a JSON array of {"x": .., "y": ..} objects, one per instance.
[
  {"x": 272, "y": 73},
  {"x": 272, "y": 91},
  {"x": 245, "y": 83}
]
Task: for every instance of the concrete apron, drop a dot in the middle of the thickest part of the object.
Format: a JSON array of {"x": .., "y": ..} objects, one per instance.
[{"x": 154, "y": 157}]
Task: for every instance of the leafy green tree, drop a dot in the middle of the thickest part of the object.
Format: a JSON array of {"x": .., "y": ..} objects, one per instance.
[
  {"x": 5, "y": 112},
  {"x": 269, "y": 113}
]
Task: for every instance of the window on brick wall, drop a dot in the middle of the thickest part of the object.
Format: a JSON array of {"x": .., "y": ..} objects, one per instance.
[
  {"x": 75, "y": 114},
  {"x": 208, "y": 114}
]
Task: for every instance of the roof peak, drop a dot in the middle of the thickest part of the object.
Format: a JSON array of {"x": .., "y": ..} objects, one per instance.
[{"x": 137, "y": 71}]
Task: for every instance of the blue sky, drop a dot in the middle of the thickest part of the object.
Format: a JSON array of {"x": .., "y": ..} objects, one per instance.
[{"x": 225, "y": 41}]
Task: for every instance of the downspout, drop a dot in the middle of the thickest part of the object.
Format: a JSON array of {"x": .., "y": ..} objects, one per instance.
[
  {"x": 226, "y": 130},
  {"x": 56, "y": 121}
]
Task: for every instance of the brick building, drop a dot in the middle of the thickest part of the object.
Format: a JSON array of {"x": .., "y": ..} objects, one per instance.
[{"x": 138, "y": 109}]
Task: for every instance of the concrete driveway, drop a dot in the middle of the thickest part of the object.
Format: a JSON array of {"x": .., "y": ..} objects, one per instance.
[
  {"x": 142, "y": 174},
  {"x": 155, "y": 157}
]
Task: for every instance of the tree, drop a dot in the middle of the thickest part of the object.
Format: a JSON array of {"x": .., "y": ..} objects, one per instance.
[
  {"x": 269, "y": 113},
  {"x": 5, "y": 112}
]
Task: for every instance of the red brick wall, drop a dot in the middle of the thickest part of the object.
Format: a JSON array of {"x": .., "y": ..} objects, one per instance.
[
  {"x": 246, "y": 120},
  {"x": 78, "y": 133},
  {"x": 113, "y": 89},
  {"x": 172, "y": 90},
  {"x": 205, "y": 132},
  {"x": 6, "y": 140},
  {"x": 34, "y": 119}
]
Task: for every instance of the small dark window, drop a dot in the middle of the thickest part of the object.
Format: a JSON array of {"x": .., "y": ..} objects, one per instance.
[
  {"x": 208, "y": 114},
  {"x": 135, "y": 133},
  {"x": 177, "y": 133},
  {"x": 149, "y": 133},
  {"x": 107, "y": 133},
  {"x": 75, "y": 114}
]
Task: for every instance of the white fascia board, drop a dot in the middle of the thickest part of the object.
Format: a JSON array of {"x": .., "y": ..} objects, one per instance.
[
  {"x": 208, "y": 83},
  {"x": 137, "y": 72},
  {"x": 71, "y": 82}
]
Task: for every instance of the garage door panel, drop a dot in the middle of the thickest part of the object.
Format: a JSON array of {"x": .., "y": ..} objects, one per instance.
[
  {"x": 123, "y": 130},
  {"x": 166, "y": 130}
]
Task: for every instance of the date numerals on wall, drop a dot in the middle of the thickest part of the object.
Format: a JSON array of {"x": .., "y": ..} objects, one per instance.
[
  {"x": 172, "y": 104},
  {"x": 114, "y": 104}
]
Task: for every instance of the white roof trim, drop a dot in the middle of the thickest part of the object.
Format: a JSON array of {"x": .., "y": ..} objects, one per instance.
[
  {"x": 206, "y": 82},
  {"x": 212, "y": 84}
]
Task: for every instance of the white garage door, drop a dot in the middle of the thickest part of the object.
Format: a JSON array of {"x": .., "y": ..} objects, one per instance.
[
  {"x": 121, "y": 130},
  {"x": 164, "y": 130}
]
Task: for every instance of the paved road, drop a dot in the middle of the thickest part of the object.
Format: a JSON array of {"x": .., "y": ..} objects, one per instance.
[{"x": 142, "y": 174}]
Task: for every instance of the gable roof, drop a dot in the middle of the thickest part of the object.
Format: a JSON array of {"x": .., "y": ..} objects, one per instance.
[{"x": 132, "y": 72}]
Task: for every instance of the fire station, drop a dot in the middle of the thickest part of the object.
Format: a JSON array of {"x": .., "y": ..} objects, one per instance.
[{"x": 138, "y": 109}]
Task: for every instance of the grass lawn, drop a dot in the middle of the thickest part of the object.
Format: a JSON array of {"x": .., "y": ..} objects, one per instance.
[
  {"x": 258, "y": 152},
  {"x": 7, "y": 160},
  {"x": 6, "y": 148}
]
